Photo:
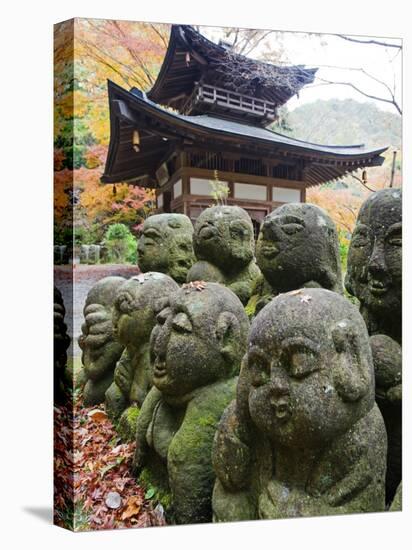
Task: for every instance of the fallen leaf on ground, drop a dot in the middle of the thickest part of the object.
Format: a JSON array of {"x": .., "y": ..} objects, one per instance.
[
  {"x": 133, "y": 506},
  {"x": 97, "y": 415}
]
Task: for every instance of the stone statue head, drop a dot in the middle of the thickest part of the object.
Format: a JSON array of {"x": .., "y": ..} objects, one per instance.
[
  {"x": 199, "y": 339},
  {"x": 309, "y": 368},
  {"x": 224, "y": 237},
  {"x": 387, "y": 361},
  {"x": 100, "y": 350},
  {"x": 165, "y": 245},
  {"x": 97, "y": 329},
  {"x": 298, "y": 243},
  {"x": 374, "y": 273},
  {"x": 137, "y": 302}
]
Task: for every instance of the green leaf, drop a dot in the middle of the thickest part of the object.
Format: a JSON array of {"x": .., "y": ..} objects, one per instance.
[{"x": 150, "y": 493}]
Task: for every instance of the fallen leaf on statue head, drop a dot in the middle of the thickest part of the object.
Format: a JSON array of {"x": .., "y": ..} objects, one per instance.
[
  {"x": 133, "y": 506},
  {"x": 294, "y": 292},
  {"x": 97, "y": 415},
  {"x": 306, "y": 299}
]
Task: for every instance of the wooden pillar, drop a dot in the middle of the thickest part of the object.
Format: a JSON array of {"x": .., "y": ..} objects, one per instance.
[
  {"x": 269, "y": 192},
  {"x": 303, "y": 195}
]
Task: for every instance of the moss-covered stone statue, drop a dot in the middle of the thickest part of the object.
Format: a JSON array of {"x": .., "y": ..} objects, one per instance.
[
  {"x": 224, "y": 247},
  {"x": 374, "y": 273},
  {"x": 137, "y": 303},
  {"x": 297, "y": 247},
  {"x": 100, "y": 350},
  {"x": 304, "y": 436},
  {"x": 396, "y": 505},
  {"x": 374, "y": 276},
  {"x": 61, "y": 343},
  {"x": 165, "y": 245},
  {"x": 196, "y": 349}
]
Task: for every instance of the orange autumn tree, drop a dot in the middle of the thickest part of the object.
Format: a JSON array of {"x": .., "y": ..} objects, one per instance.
[{"x": 130, "y": 54}]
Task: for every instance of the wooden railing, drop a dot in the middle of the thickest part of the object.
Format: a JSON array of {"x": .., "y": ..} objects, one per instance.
[{"x": 204, "y": 93}]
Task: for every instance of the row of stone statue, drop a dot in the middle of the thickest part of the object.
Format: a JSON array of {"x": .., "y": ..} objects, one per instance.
[{"x": 298, "y": 431}]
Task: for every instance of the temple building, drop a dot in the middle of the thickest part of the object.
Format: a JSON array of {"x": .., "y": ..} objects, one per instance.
[{"x": 205, "y": 120}]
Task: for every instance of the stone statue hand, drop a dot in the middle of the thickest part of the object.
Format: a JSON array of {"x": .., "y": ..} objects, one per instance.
[{"x": 123, "y": 373}]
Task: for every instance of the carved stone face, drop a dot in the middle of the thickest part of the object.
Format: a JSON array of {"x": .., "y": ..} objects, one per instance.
[
  {"x": 375, "y": 254},
  {"x": 166, "y": 245},
  {"x": 137, "y": 302},
  {"x": 199, "y": 338},
  {"x": 224, "y": 237},
  {"x": 97, "y": 329},
  {"x": 310, "y": 368},
  {"x": 298, "y": 243}
]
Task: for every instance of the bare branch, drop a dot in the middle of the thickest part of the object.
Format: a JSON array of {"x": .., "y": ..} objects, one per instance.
[
  {"x": 248, "y": 38},
  {"x": 376, "y": 42},
  {"x": 361, "y": 182},
  {"x": 360, "y": 70},
  {"x": 100, "y": 58},
  {"x": 256, "y": 44},
  {"x": 349, "y": 209},
  {"x": 325, "y": 82},
  {"x": 159, "y": 34}
]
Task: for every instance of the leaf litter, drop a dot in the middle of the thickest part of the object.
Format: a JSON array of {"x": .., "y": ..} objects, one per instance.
[{"x": 93, "y": 481}]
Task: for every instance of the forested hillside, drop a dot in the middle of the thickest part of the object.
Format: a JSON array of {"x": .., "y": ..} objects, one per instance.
[
  {"x": 340, "y": 122},
  {"x": 347, "y": 121}
]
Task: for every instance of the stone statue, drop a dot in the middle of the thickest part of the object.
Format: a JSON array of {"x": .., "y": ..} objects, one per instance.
[
  {"x": 374, "y": 276},
  {"x": 224, "y": 247},
  {"x": 396, "y": 505},
  {"x": 304, "y": 436},
  {"x": 61, "y": 343},
  {"x": 196, "y": 348},
  {"x": 137, "y": 303},
  {"x": 297, "y": 247},
  {"x": 100, "y": 350},
  {"x": 374, "y": 273},
  {"x": 165, "y": 245}
]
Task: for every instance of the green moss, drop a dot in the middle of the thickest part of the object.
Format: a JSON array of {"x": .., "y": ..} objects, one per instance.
[
  {"x": 250, "y": 308},
  {"x": 159, "y": 493},
  {"x": 351, "y": 298},
  {"x": 126, "y": 426},
  {"x": 207, "y": 421}
]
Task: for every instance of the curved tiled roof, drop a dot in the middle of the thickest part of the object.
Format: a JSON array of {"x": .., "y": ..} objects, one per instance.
[
  {"x": 132, "y": 109},
  {"x": 221, "y": 67}
]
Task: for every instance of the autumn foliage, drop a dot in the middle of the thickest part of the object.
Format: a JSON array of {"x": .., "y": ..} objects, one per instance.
[
  {"x": 87, "y": 53},
  {"x": 94, "y": 487}
]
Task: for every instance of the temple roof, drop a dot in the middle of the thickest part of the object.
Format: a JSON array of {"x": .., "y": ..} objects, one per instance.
[
  {"x": 162, "y": 131},
  {"x": 191, "y": 58}
]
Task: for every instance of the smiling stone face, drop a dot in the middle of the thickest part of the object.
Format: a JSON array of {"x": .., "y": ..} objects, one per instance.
[
  {"x": 224, "y": 237},
  {"x": 298, "y": 243},
  {"x": 166, "y": 245},
  {"x": 310, "y": 368},
  {"x": 375, "y": 256},
  {"x": 224, "y": 247},
  {"x": 195, "y": 353},
  {"x": 199, "y": 338}
]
